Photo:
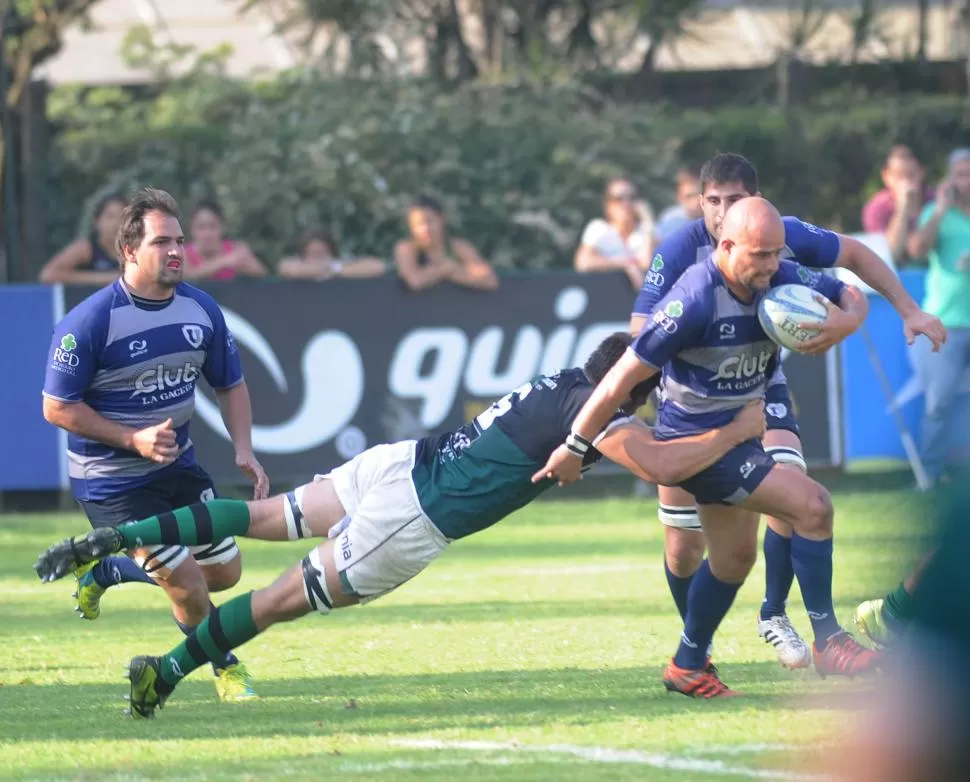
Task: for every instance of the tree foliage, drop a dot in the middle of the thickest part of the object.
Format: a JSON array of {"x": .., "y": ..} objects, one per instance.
[
  {"x": 31, "y": 33},
  {"x": 495, "y": 39}
]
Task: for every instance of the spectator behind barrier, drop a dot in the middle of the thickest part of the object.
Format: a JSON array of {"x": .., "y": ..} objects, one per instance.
[
  {"x": 623, "y": 241},
  {"x": 91, "y": 259},
  {"x": 430, "y": 256},
  {"x": 893, "y": 211},
  {"x": 210, "y": 256},
  {"x": 320, "y": 260},
  {"x": 943, "y": 238},
  {"x": 687, "y": 208}
]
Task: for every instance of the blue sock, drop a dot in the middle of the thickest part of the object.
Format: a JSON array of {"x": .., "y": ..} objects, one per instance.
[
  {"x": 187, "y": 630},
  {"x": 779, "y": 574},
  {"x": 119, "y": 570},
  {"x": 707, "y": 603},
  {"x": 679, "y": 587},
  {"x": 812, "y": 561}
]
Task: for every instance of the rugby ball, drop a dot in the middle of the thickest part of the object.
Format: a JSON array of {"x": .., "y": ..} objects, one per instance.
[{"x": 786, "y": 306}]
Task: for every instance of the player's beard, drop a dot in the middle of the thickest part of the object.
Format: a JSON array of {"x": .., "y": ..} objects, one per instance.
[{"x": 169, "y": 278}]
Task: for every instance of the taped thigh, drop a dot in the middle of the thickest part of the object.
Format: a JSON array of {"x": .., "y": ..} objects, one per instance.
[
  {"x": 159, "y": 562},
  {"x": 679, "y": 516}
]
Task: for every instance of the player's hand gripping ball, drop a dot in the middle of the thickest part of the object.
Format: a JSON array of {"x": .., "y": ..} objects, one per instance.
[{"x": 786, "y": 309}]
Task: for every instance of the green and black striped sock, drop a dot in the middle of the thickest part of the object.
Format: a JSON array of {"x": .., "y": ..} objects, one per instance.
[
  {"x": 194, "y": 525},
  {"x": 227, "y": 627}
]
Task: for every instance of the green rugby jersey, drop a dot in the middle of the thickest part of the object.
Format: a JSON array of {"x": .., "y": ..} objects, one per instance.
[{"x": 468, "y": 479}]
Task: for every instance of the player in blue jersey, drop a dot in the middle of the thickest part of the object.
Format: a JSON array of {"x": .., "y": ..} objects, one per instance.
[
  {"x": 121, "y": 381},
  {"x": 726, "y": 179},
  {"x": 714, "y": 355},
  {"x": 394, "y": 509}
]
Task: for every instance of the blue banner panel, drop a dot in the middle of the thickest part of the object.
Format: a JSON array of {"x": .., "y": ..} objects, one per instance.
[
  {"x": 29, "y": 456},
  {"x": 870, "y": 433}
]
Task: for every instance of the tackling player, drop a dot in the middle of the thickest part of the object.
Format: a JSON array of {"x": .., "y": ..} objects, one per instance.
[
  {"x": 121, "y": 380},
  {"x": 726, "y": 179},
  {"x": 714, "y": 355},
  {"x": 395, "y": 508}
]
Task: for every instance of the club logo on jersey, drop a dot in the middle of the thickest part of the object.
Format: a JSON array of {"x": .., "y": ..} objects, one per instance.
[
  {"x": 138, "y": 347},
  {"x": 738, "y": 373},
  {"x": 811, "y": 228},
  {"x": 776, "y": 409},
  {"x": 661, "y": 319},
  {"x": 807, "y": 276},
  {"x": 653, "y": 275},
  {"x": 64, "y": 359},
  {"x": 164, "y": 385},
  {"x": 674, "y": 309},
  {"x": 193, "y": 335}
]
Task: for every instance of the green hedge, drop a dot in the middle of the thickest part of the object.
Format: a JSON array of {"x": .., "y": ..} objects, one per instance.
[{"x": 519, "y": 169}]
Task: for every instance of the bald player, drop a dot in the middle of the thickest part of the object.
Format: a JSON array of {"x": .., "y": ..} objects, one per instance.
[{"x": 705, "y": 338}]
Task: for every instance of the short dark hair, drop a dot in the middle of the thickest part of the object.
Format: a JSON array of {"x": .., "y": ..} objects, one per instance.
[
  {"x": 427, "y": 202},
  {"x": 209, "y": 205},
  {"x": 318, "y": 234},
  {"x": 730, "y": 167},
  {"x": 606, "y": 354},
  {"x": 132, "y": 229},
  {"x": 101, "y": 204}
]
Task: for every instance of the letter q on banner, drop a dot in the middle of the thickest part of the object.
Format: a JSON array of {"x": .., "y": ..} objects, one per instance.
[{"x": 333, "y": 386}]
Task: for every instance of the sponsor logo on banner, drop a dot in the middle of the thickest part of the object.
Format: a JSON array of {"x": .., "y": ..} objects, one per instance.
[{"x": 430, "y": 367}]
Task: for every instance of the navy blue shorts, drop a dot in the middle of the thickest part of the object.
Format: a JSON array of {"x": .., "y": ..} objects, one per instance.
[
  {"x": 732, "y": 479},
  {"x": 173, "y": 489},
  {"x": 778, "y": 408}
]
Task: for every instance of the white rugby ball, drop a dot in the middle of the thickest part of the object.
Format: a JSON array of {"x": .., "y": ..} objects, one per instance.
[{"x": 784, "y": 307}]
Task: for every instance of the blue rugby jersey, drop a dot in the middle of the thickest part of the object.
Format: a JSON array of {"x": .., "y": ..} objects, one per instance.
[
  {"x": 136, "y": 363},
  {"x": 713, "y": 352},
  {"x": 805, "y": 244}
]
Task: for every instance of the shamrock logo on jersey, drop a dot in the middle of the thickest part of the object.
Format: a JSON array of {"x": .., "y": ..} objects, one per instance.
[
  {"x": 807, "y": 276},
  {"x": 68, "y": 343},
  {"x": 674, "y": 309},
  {"x": 657, "y": 263}
]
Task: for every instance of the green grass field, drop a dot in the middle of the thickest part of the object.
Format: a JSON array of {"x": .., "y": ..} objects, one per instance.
[{"x": 532, "y": 651}]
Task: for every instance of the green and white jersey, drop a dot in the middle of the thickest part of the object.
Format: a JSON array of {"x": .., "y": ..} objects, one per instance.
[{"x": 468, "y": 479}]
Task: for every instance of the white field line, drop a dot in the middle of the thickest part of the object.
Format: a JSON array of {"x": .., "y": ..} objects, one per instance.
[{"x": 610, "y": 755}]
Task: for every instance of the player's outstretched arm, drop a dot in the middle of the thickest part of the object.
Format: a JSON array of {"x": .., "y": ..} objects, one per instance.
[
  {"x": 566, "y": 462},
  {"x": 670, "y": 462},
  {"x": 871, "y": 269}
]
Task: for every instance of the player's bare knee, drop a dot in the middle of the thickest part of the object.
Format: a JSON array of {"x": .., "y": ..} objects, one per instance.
[
  {"x": 817, "y": 513},
  {"x": 734, "y": 564},
  {"x": 223, "y": 576},
  {"x": 192, "y": 604},
  {"x": 683, "y": 551}
]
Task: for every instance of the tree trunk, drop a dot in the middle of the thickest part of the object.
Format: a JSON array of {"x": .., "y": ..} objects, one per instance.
[
  {"x": 923, "y": 27},
  {"x": 492, "y": 30},
  {"x": 783, "y": 79},
  {"x": 467, "y": 69}
]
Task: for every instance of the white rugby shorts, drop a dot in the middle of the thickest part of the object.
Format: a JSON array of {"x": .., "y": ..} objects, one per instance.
[{"x": 389, "y": 540}]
